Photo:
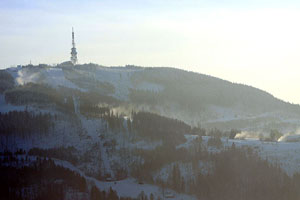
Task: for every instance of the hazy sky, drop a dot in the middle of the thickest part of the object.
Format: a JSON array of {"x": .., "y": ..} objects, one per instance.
[{"x": 254, "y": 42}]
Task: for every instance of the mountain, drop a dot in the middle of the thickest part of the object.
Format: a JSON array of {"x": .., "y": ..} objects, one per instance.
[
  {"x": 95, "y": 132},
  {"x": 194, "y": 98}
]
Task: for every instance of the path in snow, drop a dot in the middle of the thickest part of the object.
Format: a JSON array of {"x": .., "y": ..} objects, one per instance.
[{"x": 92, "y": 130}]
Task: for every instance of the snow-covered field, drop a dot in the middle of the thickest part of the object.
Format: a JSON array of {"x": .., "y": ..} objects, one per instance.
[{"x": 286, "y": 154}]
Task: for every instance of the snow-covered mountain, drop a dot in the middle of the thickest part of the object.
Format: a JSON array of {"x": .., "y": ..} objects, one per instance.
[
  {"x": 120, "y": 128},
  {"x": 191, "y": 97}
]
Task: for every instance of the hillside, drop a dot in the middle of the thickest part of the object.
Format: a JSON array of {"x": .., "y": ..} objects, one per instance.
[
  {"x": 191, "y": 97},
  {"x": 130, "y": 131}
]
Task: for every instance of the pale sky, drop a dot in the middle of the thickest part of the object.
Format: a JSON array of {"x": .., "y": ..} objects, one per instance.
[{"x": 254, "y": 42}]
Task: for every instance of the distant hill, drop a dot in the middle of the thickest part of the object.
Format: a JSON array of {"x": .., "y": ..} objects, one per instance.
[{"x": 192, "y": 97}]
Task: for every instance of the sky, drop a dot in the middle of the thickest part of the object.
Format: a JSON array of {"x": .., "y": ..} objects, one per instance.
[{"x": 253, "y": 42}]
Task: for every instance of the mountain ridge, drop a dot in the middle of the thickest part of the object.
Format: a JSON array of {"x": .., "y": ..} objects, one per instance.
[{"x": 189, "y": 96}]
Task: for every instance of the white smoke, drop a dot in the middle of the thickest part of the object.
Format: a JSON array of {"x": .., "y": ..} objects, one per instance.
[
  {"x": 290, "y": 137},
  {"x": 26, "y": 77},
  {"x": 287, "y": 137},
  {"x": 249, "y": 135}
]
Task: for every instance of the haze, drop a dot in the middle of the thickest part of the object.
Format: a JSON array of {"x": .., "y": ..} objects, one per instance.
[{"x": 255, "y": 42}]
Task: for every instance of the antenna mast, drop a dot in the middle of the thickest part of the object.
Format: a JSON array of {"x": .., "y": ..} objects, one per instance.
[{"x": 73, "y": 50}]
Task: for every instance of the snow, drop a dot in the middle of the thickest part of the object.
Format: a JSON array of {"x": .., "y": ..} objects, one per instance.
[
  {"x": 125, "y": 188},
  {"x": 119, "y": 77},
  {"x": 236, "y": 117},
  {"x": 13, "y": 71},
  {"x": 187, "y": 144},
  {"x": 149, "y": 87},
  {"x": 290, "y": 137},
  {"x": 185, "y": 170},
  {"x": 224, "y": 114},
  {"x": 92, "y": 128},
  {"x": 52, "y": 76},
  {"x": 221, "y": 114},
  {"x": 146, "y": 145},
  {"x": 130, "y": 188},
  {"x": 24, "y": 76},
  {"x": 55, "y": 77},
  {"x": 286, "y": 154},
  {"x": 84, "y": 133}
]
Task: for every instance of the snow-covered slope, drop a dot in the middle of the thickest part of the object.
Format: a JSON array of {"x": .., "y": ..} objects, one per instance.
[
  {"x": 102, "y": 152},
  {"x": 126, "y": 188},
  {"x": 210, "y": 101},
  {"x": 286, "y": 154}
]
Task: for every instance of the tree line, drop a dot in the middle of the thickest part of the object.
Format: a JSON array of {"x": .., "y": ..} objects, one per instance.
[
  {"x": 37, "y": 180},
  {"x": 32, "y": 93},
  {"x": 62, "y": 153},
  {"x": 234, "y": 173},
  {"x": 25, "y": 123},
  {"x": 42, "y": 179}
]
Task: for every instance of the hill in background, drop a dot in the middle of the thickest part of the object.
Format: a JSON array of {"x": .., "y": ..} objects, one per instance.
[{"x": 194, "y": 98}]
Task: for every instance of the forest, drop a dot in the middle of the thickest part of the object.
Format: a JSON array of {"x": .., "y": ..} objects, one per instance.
[
  {"x": 42, "y": 179},
  {"x": 41, "y": 94},
  {"x": 6, "y": 81},
  {"x": 25, "y": 123},
  {"x": 236, "y": 173}
]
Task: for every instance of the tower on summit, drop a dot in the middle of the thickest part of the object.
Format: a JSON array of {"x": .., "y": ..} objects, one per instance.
[{"x": 73, "y": 50}]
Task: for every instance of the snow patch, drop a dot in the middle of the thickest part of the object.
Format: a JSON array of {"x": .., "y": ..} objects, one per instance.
[
  {"x": 149, "y": 87},
  {"x": 55, "y": 77},
  {"x": 187, "y": 144}
]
